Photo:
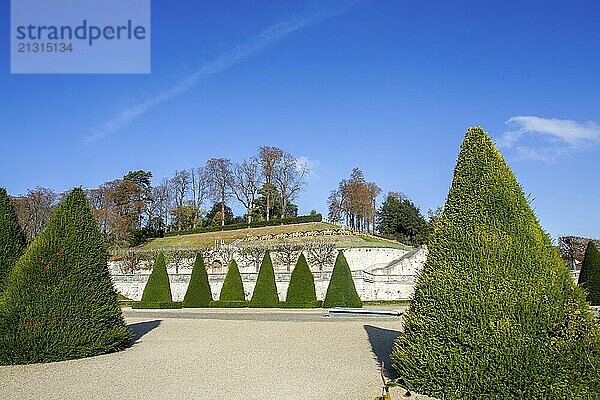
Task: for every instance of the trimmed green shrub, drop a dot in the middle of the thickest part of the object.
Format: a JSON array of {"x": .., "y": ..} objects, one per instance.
[
  {"x": 341, "y": 291},
  {"x": 265, "y": 291},
  {"x": 228, "y": 304},
  {"x": 59, "y": 301},
  {"x": 198, "y": 293},
  {"x": 12, "y": 238},
  {"x": 144, "y": 305},
  {"x": 495, "y": 313},
  {"x": 233, "y": 288},
  {"x": 301, "y": 290},
  {"x": 158, "y": 289},
  {"x": 589, "y": 277}
]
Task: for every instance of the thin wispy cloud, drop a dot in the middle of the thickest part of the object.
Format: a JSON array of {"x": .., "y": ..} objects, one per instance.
[
  {"x": 543, "y": 139},
  {"x": 264, "y": 39}
]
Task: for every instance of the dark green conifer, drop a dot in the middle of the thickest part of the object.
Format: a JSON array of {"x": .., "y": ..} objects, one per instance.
[
  {"x": 495, "y": 313},
  {"x": 12, "y": 238},
  {"x": 59, "y": 302},
  {"x": 233, "y": 288},
  {"x": 158, "y": 288},
  {"x": 301, "y": 290},
  {"x": 589, "y": 276},
  {"x": 198, "y": 293},
  {"x": 341, "y": 291},
  {"x": 265, "y": 291}
]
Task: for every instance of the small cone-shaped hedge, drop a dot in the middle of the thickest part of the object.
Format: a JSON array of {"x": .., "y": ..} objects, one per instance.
[
  {"x": 198, "y": 293},
  {"x": 59, "y": 301},
  {"x": 301, "y": 290},
  {"x": 158, "y": 289},
  {"x": 495, "y": 313},
  {"x": 265, "y": 291},
  {"x": 341, "y": 291},
  {"x": 233, "y": 288},
  {"x": 589, "y": 277},
  {"x": 12, "y": 238}
]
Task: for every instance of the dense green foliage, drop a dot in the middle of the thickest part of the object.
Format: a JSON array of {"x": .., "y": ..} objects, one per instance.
[
  {"x": 400, "y": 219},
  {"x": 589, "y": 277},
  {"x": 495, "y": 313},
  {"x": 158, "y": 289},
  {"x": 265, "y": 291},
  {"x": 59, "y": 301},
  {"x": 301, "y": 219},
  {"x": 198, "y": 293},
  {"x": 341, "y": 291},
  {"x": 12, "y": 238},
  {"x": 301, "y": 290},
  {"x": 233, "y": 288}
]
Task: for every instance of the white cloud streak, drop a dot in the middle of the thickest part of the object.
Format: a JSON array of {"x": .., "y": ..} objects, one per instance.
[
  {"x": 266, "y": 38},
  {"x": 549, "y": 138}
]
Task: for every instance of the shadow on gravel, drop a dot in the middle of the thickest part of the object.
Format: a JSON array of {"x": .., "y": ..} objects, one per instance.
[
  {"x": 382, "y": 342},
  {"x": 139, "y": 329}
]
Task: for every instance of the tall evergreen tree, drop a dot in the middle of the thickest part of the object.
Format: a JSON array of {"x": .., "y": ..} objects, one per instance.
[
  {"x": 589, "y": 277},
  {"x": 301, "y": 290},
  {"x": 495, "y": 313},
  {"x": 59, "y": 301},
  {"x": 341, "y": 291},
  {"x": 233, "y": 287},
  {"x": 12, "y": 238},
  {"x": 265, "y": 291},
  {"x": 400, "y": 218},
  {"x": 198, "y": 293}
]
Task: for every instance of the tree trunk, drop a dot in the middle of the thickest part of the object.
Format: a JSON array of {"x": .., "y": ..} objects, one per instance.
[{"x": 222, "y": 208}]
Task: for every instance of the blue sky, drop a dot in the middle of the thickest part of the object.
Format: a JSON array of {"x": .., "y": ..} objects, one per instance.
[{"x": 388, "y": 86}]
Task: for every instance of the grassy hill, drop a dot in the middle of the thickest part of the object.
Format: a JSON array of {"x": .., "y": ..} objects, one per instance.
[{"x": 210, "y": 238}]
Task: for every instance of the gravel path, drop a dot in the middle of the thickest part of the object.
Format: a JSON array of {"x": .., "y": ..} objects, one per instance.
[{"x": 245, "y": 354}]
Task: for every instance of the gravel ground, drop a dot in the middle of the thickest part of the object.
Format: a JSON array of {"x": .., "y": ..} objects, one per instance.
[{"x": 243, "y": 354}]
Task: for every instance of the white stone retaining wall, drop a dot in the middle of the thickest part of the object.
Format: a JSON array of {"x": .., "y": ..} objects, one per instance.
[{"x": 368, "y": 286}]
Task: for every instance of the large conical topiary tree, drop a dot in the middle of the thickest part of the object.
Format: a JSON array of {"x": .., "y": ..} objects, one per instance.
[
  {"x": 495, "y": 313},
  {"x": 59, "y": 301},
  {"x": 198, "y": 293},
  {"x": 265, "y": 291},
  {"x": 12, "y": 238},
  {"x": 301, "y": 290},
  {"x": 232, "y": 293},
  {"x": 341, "y": 291},
  {"x": 589, "y": 277},
  {"x": 157, "y": 292}
]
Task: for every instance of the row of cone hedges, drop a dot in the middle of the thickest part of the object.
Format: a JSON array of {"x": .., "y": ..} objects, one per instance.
[
  {"x": 301, "y": 290},
  {"x": 589, "y": 276},
  {"x": 58, "y": 301},
  {"x": 496, "y": 313}
]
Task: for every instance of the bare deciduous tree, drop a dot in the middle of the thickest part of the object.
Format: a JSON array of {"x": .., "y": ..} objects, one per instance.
[
  {"x": 355, "y": 200},
  {"x": 245, "y": 182},
  {"x": 180, "y": 185},
  {"x": 253, "y": 255},
  {"x": 34, "y": 210},
  {"x": 289, "y": 178},
  {"x": 287, "y": 254},
  {"x": 268, "y": 157},
  {"x": 199, "y": 187},
  {"x": 321, "y": 253},
  {"x": 218, "y": 177}
]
